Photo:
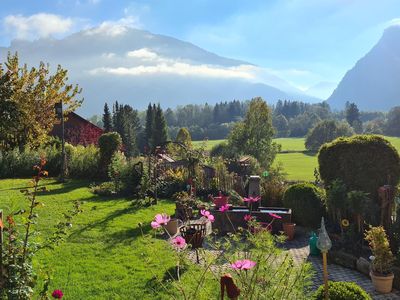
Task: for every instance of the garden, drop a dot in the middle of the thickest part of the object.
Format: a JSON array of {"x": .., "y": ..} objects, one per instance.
[
  {"x": 156, "y": 229},
  {"x": 136, "y": 215}
]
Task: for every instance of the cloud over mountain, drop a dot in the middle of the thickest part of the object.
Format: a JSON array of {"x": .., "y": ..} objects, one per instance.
[{"x": 114, "y": 61}]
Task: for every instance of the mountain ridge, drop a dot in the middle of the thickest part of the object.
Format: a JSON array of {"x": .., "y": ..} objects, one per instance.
[{"x": 373, "y": 81}]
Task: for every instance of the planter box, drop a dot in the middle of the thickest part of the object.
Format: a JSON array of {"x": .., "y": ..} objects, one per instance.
[{"x": 343, "y": 259}]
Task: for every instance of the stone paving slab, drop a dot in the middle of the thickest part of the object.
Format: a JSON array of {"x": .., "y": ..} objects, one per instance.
[{"x": 300, "y": 251}]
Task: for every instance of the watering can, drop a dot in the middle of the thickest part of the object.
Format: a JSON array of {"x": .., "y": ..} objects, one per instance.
[{"x": 314, "y": 251}]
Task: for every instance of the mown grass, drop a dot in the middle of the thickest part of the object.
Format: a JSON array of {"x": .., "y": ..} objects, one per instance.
[
  {"x": 104, "y": 255},
  {"x": 208, "y": 144}
]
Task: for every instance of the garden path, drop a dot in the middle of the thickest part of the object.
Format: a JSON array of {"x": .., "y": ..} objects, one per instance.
[{"x": 300, "y": 251}]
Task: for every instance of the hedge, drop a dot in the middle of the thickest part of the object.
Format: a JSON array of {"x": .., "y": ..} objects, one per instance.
[
  {"x": 362, "y": 163},
  {"x": 307, "y": 203}
]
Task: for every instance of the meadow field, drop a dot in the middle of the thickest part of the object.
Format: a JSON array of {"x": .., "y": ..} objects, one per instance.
[{"x": 297, "y": 163}]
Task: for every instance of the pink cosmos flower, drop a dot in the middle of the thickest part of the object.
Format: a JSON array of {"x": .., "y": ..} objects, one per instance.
[
  {"x": 248, "y": 218},
  {"x": 160, "y": 220},
  {"x": 275, "y": 216},
  {"x": 224, "y": 208},
  {"x": 207, "y": 214},
  {"x": 57, "y": 294},
  {"x": 244, "y": 264},
  {"x": 252, "y": 199},
  {"x": 179, "y": 242}
]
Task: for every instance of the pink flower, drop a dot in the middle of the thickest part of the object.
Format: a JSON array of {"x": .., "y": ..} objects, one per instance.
[
  {"x": 252, "y": 199},
  {"x": 248, "y": 218},
  {"x": 57, "y": 294},
  {"x": 179, "y": 242},
  {"x": 275, "y": 216},
  {"x": 160, "y": 220},
  {"x": 207, "y": 214},
  {"x": 224, "y": 208},
  {"x": 244, "y": 264}
]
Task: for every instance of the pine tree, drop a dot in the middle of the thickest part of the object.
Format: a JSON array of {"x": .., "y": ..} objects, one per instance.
[
  {"x": 352, "y": 114},
  {"x": 160, "y": 133},
  {"x": 107, "y": 122},
  {"x": 149, "y": 126}
]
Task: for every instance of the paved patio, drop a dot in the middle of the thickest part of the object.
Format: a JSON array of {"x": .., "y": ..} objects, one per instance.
[{"x": 300, "y": 251}]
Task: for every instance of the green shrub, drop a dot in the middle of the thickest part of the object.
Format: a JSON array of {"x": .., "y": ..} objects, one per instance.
[
  {"x": 362, "y": 163},
  {"x": 109, "y": 143},
  {"x": 342, "y": 290},
  {"x": 326, "y": 131},
  {"x": 220, "y": 149},
  {"x": 82, "y": 162},
  {"x": 16, "y": 164},
  {"x": 307, "y": 203}
]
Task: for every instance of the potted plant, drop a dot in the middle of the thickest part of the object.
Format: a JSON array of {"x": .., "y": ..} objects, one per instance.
[
  {"x": 382, "y": 260},
  {"x": 289, "y": 229}
]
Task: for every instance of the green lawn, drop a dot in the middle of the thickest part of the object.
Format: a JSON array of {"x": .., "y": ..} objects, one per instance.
[
  {"x": 208, "y": 144},
  {"x": 102, "y": 258},
  {"x": 297, "y": 166},
  {"x": 291, "y": 144}
]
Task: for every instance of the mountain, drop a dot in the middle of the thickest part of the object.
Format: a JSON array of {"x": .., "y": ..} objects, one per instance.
[
  {"x": 135, "y": 66},
  {"x": 374, "y": 82}
]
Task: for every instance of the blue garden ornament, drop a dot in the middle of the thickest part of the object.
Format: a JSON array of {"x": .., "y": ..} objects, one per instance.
[{"x": 324, "y": 242}]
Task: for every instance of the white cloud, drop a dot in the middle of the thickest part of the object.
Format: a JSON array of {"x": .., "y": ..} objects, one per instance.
[
  {"x": 183, "y": 69},
  {"x": 108, "y": 55},
  {"x": 115, "y": 28},
  {"x": 143, "y": 53},
  {"x": 37, "y": 25},
  {"x": 392, "y": 22}
]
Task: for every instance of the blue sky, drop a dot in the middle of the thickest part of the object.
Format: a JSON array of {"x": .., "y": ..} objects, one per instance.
[{"x": 305, "y": 42}]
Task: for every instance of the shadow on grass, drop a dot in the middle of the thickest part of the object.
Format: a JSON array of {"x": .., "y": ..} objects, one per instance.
[
  {"x": 66, "y": 188},
  {"x": 122, "y": 235},
  {"x": 126, "y": 236},
  {"x": 25, "y": 185},
  {"x": 156, "y": 285}
]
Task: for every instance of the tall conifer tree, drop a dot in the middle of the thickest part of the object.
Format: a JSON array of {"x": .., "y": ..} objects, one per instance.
[{"x": 107, "y": 122}]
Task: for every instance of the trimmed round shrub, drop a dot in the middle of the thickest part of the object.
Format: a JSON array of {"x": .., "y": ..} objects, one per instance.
[
  {"x": 307, "y": 203},
  {"x": 109, "y": 143},
  {"x": 342, "y": 290},
  {"x": 362, "y": 163}
]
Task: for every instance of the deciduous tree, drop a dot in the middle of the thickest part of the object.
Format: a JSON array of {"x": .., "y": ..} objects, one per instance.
[{"x": 28, "y": 98}]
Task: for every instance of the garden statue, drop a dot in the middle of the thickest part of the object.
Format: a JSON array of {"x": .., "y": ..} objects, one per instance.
[{"x": 386, "y": 199}]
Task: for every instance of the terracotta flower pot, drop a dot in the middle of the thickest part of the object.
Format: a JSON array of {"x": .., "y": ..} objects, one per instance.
[
  {"x": 382, "y": 284},
  {"x": 220, "y": 201},
  {"x": 289, "y": 229}
]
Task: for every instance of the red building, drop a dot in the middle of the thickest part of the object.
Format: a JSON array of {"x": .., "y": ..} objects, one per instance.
[{"x": 77, "y": 130}]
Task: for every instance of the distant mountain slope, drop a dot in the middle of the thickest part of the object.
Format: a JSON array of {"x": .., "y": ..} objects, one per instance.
[
  {"x": 135, "y": 66},
  {"x": 374, "y": 82}
]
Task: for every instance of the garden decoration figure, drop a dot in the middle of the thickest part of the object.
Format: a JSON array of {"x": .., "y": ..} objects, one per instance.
[
  {"x": 324, "y": 244},
  {"x": 386, "y": 200},
  {"x": 232, "y": 290}
]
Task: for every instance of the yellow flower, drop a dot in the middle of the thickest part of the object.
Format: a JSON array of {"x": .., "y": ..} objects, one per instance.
[{"x": 345, "y": 223}]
